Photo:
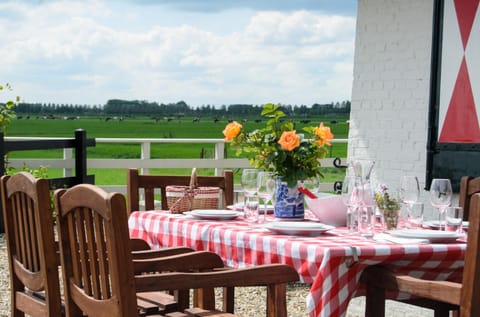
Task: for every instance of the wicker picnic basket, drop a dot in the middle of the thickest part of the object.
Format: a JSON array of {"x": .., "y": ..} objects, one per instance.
[{"x": 186, "y": 198}]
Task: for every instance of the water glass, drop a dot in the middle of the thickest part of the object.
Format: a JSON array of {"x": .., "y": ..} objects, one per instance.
[
  {"x": 249, "y": 185},
  {"x": 415, "y": 215},
  {"x": 250, "y": 208},
  {"x": 366, "y": 220},
  {"x": 454, "y": 219}
]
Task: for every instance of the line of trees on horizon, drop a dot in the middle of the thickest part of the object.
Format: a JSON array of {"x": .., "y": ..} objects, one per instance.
[{"x": 121, "y": 107}]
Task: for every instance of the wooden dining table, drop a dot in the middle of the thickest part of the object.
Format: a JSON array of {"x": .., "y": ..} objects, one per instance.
[{"x": 330, "y": 261}]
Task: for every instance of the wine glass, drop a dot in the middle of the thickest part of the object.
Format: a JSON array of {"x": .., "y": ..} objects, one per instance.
[
  {"x": 440, "y": 196},
  {"x": 352, "y": 197},
  {"x": 409, "y": 192},
  {"x": 312, "y": 184},
  {"x": 249, "y": 181},
  {"x": 266, "y": 184}
]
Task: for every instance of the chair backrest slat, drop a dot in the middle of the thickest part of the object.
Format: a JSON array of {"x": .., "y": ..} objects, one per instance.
[{"x": 101, "y": 249}]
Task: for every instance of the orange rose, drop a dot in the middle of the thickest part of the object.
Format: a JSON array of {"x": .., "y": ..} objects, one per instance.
[
  {"x": 289, "y": 140},
  {"x": 232, "y": 130},
  {"x": 324, "y": 135}
]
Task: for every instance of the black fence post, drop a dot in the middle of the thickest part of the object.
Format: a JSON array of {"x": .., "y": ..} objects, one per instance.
[{"x": 81, "y": 156}]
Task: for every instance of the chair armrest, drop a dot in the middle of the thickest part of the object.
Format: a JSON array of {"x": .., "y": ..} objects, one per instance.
[
  {"x": 152, "y": 254},
  {"x": 381, "y": 277},
  {"x": 187, "y": 262},
  {"x": 263, "y": 275},
  {"x": 139, "y": 244}
]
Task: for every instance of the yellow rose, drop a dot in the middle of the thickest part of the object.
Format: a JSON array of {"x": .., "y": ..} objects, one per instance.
[
  {"x": 289, "y": 140},
  {"x": 232, "y": 130},
  {"x": 324, "y": 135}
]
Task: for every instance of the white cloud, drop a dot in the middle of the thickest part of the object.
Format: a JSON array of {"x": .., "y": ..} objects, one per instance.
[{"x": 86, "y": 53}]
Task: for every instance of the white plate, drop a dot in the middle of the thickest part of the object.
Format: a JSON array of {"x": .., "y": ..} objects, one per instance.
[
  {"x": 435, "y": 224},
  {"x": 432, "y": 235},
  {"x": 239, "y": 207},
  {"x": 302, "y": 228},
  {"x": 214, "y": 214}
]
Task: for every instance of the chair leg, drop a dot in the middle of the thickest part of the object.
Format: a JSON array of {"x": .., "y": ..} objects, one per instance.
[
  {"x": 204, "y": 298},
  {"x": 276, "y": 300},
  {"x": 375, "y": 302},
  {"x": 229, "y": 299},
  {"x": 182, "y": 297}
]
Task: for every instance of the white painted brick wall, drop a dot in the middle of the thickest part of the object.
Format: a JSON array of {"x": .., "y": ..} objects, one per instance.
[{"x": 390, "y": 93}]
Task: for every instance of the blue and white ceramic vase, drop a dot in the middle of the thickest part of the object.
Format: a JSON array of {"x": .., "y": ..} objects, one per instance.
[{"x": 288, "y": 202}]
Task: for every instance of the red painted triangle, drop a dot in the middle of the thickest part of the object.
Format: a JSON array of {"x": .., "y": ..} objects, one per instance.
[
  {"x": 461, "y": 123},
  {"x": 466, "y": 10}
]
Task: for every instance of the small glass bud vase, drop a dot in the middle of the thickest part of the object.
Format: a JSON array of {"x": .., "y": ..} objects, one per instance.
[{"x": 390, "y": 218}]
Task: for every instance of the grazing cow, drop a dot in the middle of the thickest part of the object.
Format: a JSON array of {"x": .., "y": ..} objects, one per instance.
[
  {"x": 258, "y": 120},
  {"x": 244, "y": 120},
  {"x": 305, "y": 121},
  {"x": 196, "y": 119},
  {"x": 215, "y": 120}
]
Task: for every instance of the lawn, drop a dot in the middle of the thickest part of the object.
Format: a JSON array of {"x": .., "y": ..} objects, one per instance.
[{"x": 149, "y": 128}]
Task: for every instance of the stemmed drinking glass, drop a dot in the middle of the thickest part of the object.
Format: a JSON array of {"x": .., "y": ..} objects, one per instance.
[
  {"x": 440, "y": 196},
  {"x": 249, "y": 185},
  {"x": 312, "y": 184},
  {"x": 266, "y": 184},
  {"x": 352, "y": 197},
  {"x": 249, "y": 181},
  {"x": 409, "y": 192}
]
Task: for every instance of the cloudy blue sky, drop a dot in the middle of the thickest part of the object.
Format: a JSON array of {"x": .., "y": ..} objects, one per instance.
[{"x": 205, "y": 52}]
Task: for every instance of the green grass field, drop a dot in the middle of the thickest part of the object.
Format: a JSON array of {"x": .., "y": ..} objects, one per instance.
[{"x": 148, "y": 128}]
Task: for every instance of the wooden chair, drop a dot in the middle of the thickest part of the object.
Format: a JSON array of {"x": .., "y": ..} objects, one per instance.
[
  {"x": 468, "y": 187},
  {"x": 137, "y": 182},
  {"x": 464, "y": 296},
  {"x": 101, "y": 278},
  {"x": 33, "y": 252},
  {"x": 32, "y": 258}
]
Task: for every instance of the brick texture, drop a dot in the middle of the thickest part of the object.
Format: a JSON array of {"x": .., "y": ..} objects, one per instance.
[{"x": 390, "y": 92}]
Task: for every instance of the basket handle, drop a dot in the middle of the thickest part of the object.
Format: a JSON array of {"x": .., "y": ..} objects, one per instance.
[{"x": 193, "y": 179}]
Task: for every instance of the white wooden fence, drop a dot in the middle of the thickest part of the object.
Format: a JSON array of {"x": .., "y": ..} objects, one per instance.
[{"x": 145, "y": 162}]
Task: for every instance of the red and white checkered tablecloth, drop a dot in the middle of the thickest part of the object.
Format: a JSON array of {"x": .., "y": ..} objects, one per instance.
[{"x": 324, "y": 261}]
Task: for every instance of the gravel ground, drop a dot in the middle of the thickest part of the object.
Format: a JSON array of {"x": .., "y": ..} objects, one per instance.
[{"x": 250, "y": 300}]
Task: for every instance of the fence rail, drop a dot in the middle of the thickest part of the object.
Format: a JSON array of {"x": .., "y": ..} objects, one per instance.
[{"x": 218, "y": 163}]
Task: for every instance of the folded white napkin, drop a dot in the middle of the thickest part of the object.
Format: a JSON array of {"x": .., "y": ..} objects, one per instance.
[{"x": 384, "y": 237}]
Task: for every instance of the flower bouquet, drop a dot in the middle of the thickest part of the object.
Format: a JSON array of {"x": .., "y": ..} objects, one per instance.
[{"x": 279, "y": 148}]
